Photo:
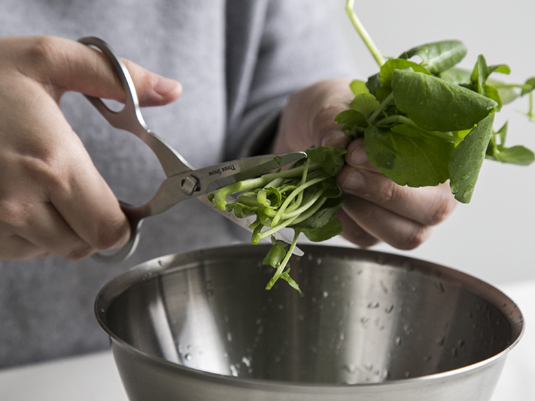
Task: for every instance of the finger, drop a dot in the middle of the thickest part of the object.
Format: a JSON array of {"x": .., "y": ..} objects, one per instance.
[
  {"x": 398, "y": 231},
  {"x": 308, "y": 117},
  {"x": 354, "y": 233},
  {"x": 425, "y": 205},
  {"x": 42, "y": 226},
  {"x": 334, "y": 100},
  {"x": 74, "y": 66},
  {"x": 16, "y": 248},
  {"x": 88, "y": 205}
]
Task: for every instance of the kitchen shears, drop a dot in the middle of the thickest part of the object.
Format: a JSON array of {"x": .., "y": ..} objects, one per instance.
[{"x": 183, "y": 181}]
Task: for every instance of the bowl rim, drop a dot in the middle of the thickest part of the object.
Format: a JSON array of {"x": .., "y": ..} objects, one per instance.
[{"x": 165, "y": 265}]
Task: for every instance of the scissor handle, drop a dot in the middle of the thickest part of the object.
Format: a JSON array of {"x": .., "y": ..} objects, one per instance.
[
  {"x": 129, "y": 118},
  {"x": 135, "y": 221}
]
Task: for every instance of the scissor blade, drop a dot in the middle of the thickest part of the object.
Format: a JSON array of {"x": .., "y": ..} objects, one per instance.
[
  {"x": 245, "y": 222},
  {"x": 224, "y": 174}
]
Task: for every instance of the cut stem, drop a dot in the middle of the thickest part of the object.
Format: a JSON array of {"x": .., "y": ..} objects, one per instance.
[{"x": 283, "y": 263}]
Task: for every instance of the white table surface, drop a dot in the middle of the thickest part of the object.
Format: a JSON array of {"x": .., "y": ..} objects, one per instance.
[{"x": 94, "y": 377}]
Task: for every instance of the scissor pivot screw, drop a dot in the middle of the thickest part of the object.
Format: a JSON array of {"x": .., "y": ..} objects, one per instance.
[{"x": 190, "y": 185}]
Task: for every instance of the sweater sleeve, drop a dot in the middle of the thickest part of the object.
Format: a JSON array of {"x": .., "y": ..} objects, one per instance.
[{"x": 283, "y": 46}]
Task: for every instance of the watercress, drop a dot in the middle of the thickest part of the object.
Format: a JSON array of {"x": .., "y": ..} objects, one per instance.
[
  {"x": 303, "y": 198},
  {"x": 427, "y": 122}
]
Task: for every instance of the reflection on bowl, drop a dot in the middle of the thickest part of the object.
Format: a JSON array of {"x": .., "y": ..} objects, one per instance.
[{"x": 369, "y": 326}]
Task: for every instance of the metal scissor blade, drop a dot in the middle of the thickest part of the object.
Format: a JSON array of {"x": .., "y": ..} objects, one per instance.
[
  {"x": 245, "y": 222},
  {"x": 243, "y": 169}
]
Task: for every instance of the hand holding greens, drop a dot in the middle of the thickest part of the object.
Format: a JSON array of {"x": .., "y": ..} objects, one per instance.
[{"x": 423, "y": 123}]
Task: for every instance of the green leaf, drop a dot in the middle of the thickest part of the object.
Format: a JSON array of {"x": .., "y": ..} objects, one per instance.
[
  {"x": 322, "y": 217},
  {"x": 408, "y": 156},
  {"x": 519, "y": 155},
  {"x": 387, "y": 70},
  {"x": 286, "y": 277},
  {"x": 502, "y": 133},
  {"x": 529, "y": 85},
  {"x": 467, "y": 159},
  {"x": 492, "y": 93},
  {"x": 501, "y": 68},
  {"x": 330, "y": 188},
  {"x": 365, "y": 103},
  {"x": 438, "y": 56},
  {"x": 436, "y": 105},
  {"x": 480, "y": 74},
  {"x": 456, "y": 76},
  {"x": 331, "y": 158},
  {"x": 350, "y": 119},
  {"x": 507, "y": 94},
  {"x": 319, "y": 234},
  {"x": 358, "y": 87},
  {"x": 374, "y": 83}
]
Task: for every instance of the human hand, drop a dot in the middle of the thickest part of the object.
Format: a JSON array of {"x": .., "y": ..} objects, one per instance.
[
  {"x": 375, "y": 208},
  {"x": 52, "y": 198}
]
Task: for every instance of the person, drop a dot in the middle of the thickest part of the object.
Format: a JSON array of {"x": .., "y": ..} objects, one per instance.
[{"x": 255, "y": 77}]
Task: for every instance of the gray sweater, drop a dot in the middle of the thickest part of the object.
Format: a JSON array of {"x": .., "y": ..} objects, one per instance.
[{"x": 238, "y": 61}]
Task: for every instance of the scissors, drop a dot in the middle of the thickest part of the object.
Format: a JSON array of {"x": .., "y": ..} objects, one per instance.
[{"x": 183, "y": 181}]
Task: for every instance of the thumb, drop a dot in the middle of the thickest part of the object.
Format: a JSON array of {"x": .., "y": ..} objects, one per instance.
[{"x": 71, "y": 66}]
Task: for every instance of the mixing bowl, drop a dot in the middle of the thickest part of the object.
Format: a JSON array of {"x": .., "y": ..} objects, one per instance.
[{"x": 368, "y": 326}]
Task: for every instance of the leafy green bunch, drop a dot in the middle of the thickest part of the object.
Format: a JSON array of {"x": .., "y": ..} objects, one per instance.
[
  {"x": 304, "y": 198},
  {"x": 426, "y": 122}
]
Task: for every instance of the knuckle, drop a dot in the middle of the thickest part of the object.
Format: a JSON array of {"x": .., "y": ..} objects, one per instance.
[
  {"x": 360, "y": 238},
  {"x": 45, "y": 170},
  {"x": 415, "y": 238},
  {"x": 113, "y": 234},
  {"x": 15, "y": 214},
  {"x": 79, "y": 252},
  {"x": 391, "y": 193},
  {"x": 44, "y": 51},
  {"x": 368, "y": 213},
  {"x": 442, "y": 211}
]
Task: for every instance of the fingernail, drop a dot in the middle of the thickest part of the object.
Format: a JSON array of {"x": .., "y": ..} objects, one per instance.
[
  {"x": 354, "y": 181},
  {"x": 333, "y": 138},
  {"x": 165, "y": 86}
]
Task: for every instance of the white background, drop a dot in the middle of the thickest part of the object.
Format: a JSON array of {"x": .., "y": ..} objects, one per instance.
[{"x": 493, "y": 236}]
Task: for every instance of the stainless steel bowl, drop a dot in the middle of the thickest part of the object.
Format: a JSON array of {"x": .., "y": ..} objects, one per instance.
[{"x": 369, "y": 326}]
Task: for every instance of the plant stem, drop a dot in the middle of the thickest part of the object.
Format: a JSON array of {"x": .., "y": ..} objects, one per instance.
[
  {"x": 303, "y": 208},
  {"x": 220, "y": 196},
  {"x": 363, "y": 34},
  {"x": 258, "y": 236},
  {"x": 296, "y": 192},
  {"x": 448, "y": 136},
  {"x": 385, "y": 103},
  {"x": 531, "y": 112},
  {"x": 283, "y": 263}
]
